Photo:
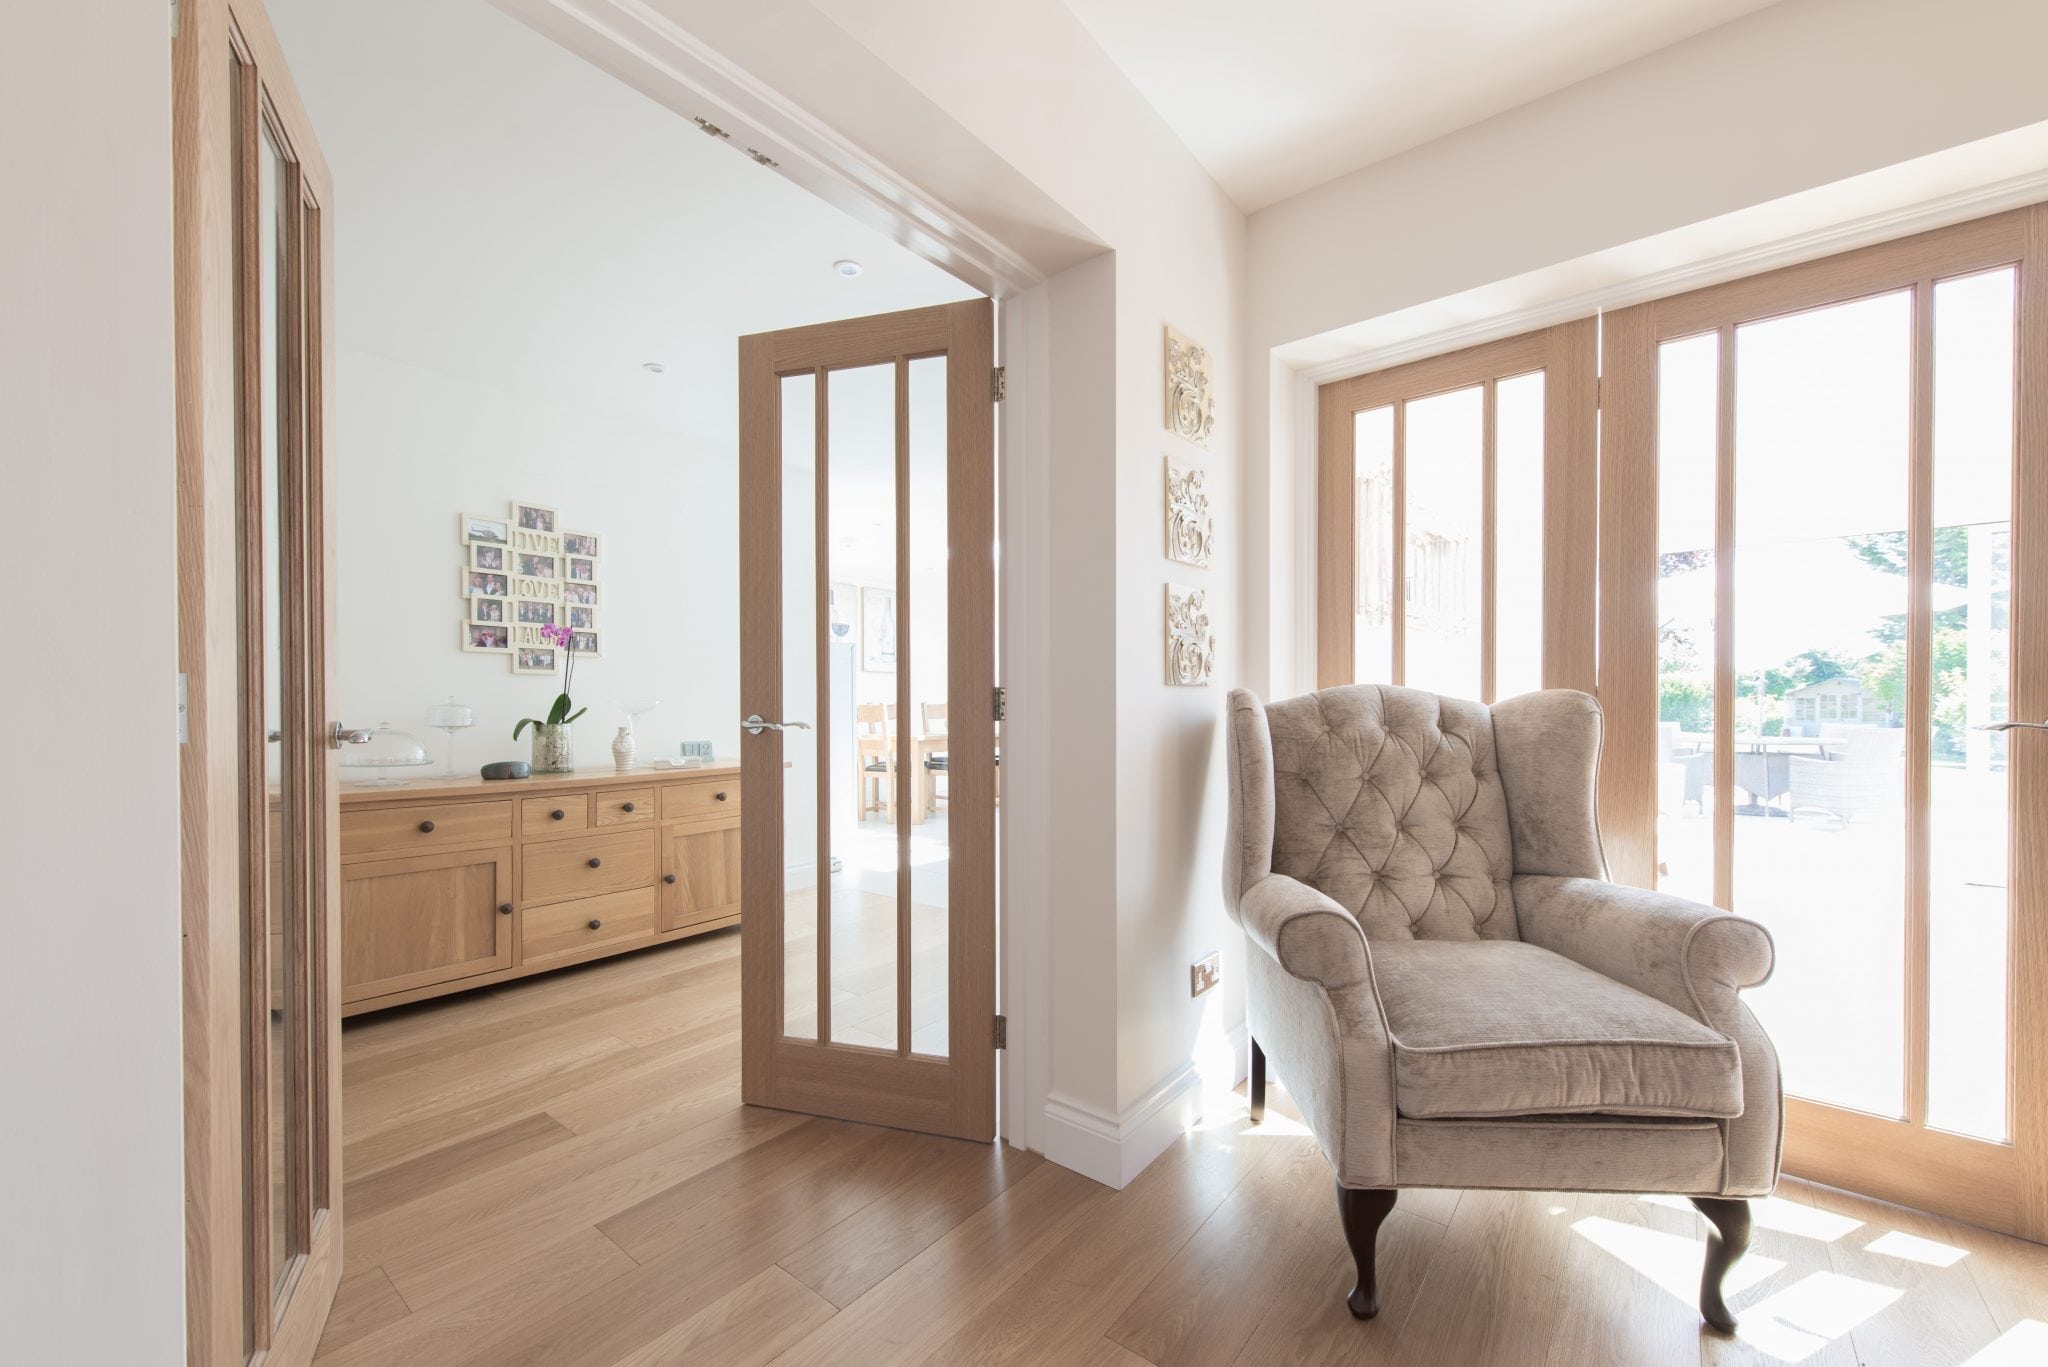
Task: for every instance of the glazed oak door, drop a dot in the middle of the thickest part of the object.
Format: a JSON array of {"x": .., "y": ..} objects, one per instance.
[
  {"x": 868, "y": 744},
  {"x": 1824, "y": 647},
  {"x": 253, "y": 243}
]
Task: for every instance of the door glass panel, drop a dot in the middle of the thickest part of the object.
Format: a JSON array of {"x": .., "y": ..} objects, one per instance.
[
  {"x": 1443, "y": 461},
  {"x": 861, "y": 544},
  {"x": 281, "y": 910},
  {"x": 802, "y": 871},
  {"x": 1518, "y": 535},
  {"x": 1972, "y": 603},
  {"x": 1821, "y": 435},
  {"x": 1372, "y": 466},
  {"x": 1687, "y": 432},
  {"x": 926, "y": 639}
]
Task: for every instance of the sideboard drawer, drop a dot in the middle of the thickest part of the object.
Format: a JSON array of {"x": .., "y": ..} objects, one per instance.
[
  {"x": 560, "y": 869},
  {"x": 565, "y": 929},
  {"x": 624, "y": 807},
  {"x": 561, "y": 814},
  {"x": 704, "y": 800},
  {"x": 381, "y": 830}
]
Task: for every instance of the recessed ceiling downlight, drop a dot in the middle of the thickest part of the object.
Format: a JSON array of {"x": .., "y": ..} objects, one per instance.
[
  {"x": 653, "y": 367},
  {"x": 848, "y": 267}
]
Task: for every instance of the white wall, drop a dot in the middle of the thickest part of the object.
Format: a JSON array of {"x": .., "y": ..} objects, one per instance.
[
  {"x": 1778, "y": 124},
  {"x": 92, "y": 1244},
  {"x": 419, "y": 447}
]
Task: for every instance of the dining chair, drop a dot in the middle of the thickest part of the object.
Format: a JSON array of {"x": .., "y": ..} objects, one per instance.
[
  {"x": 874, "y": 732},
  {"x": 934, "y": 715}
]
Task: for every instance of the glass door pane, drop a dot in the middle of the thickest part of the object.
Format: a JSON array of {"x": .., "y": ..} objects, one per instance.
[
  {"x": 1822, "y": 428},
  {"x": 861, "y": 542},
  {"x": 1373, "y": 480},
  {"x": 1444, "y": 470},
  {"x": 805, "y": 863},
  {"x": 1518, "y": 536},
  {"x": 929, "y": 662},
  {"x": 1968, "y": 914},
  {"x": 1688, "y": 377}
]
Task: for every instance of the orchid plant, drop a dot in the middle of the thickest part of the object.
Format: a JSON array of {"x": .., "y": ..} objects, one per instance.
[{"x": 559, "y": 715}]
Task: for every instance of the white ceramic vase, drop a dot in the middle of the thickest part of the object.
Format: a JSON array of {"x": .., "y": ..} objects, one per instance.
[{"x": 622, "y": 748}]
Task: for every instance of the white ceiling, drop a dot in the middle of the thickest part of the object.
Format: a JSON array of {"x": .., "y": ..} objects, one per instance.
[
  {"x": 1276, "y": 97},
  {"x": 507, "y": 213}
]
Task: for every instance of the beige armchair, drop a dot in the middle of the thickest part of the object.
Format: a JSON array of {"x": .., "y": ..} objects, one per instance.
[{"x": 1455, "y": 994}]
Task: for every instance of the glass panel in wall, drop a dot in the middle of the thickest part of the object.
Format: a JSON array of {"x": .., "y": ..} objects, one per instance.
[
  {"x": 925, "y": 640},
  {"x": 1687, "y": 427},
  {"x": 1968, "y": 916},
  {"x": 802, "y": 873},
  {"x": 862, "y": 556},
  {"x": 1372, "y": 465},
  {"x": 1518, "y": 535},
  {"x": 1822, "y": 403},
  {"x": 1443, "y": 464}
]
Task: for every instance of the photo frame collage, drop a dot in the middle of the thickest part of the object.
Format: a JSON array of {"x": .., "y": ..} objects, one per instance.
[{"x": 522, "y": 572}]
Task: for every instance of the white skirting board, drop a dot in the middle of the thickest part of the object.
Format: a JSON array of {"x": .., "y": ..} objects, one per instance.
[{"x": 1113, "y": 1150}]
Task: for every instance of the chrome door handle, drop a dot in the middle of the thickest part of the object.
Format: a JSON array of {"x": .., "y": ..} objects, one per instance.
[
  {"x": 2013, "y": 726},
  {"x": 754, "y": 726},
  {"x": 339, "y": 735}
]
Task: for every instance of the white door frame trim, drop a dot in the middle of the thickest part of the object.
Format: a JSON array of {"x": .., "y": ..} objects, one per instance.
[{"x": 654, "y": 55}]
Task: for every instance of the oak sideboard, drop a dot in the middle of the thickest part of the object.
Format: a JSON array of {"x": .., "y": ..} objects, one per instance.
[{"x": 454, "y": 883}]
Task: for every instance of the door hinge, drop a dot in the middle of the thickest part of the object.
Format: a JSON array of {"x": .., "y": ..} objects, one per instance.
[
  {"x": 184, "y": 709},
  {"x": 1002, "y": 1032},
  {"x": 1002, "y": 702},
  {"x": 998, "y": 382}
]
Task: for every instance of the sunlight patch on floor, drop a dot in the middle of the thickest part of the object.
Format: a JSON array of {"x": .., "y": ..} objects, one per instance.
[
  {"x": 2023, "y": 1345},
  {"x": 1672, "y": 1261},
  {"x": 1914, "y": 1249},
  {"x": 1794, "y": 1324}
]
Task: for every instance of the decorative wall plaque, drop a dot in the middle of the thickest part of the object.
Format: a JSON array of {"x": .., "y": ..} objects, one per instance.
[
  {"x": 1190, "y": 388},
  {"x": 1190, "y": 644},
  {"x": 1190, "y": 528}
]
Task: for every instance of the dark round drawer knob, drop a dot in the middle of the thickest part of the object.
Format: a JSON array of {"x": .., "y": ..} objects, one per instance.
[
  {"x": 427, "y": 827},
  {"x": 595, "y": 923},
  {"x": 668, "y": 878},
  {"x": 504, "y": 908},
  {"x": 721, "y": 797},
  {"x": 625, "y": 806},
  {"x": 557, "y": 814},
  {"x": 595, "y": 861}
]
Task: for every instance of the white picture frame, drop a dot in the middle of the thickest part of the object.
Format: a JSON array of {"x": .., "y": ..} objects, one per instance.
[
  {"x": 475, "y": 527},
  {"x": 536, "y": 517},
  {"x": 489, "y": 555},
  {"x": 535, "y": 660},
  {"x": 585, "y": 544},
  {"x": 580, "y": 595},
  {"x": 579, "y": 569},
  {"x": 489, "y": 611},
  {"x": 535, "y": 612},
  {"x": 485, "y": 584},
  {"x": 487, "y": 638}
]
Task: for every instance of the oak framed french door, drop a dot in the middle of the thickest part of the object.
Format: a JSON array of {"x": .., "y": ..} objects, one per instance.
[
  {"x": 253, "y": 248},
  {"x": 1456, "y": 514},
  {"x": 1823, "y": 609},
  {"x": 868, "y": 746}
]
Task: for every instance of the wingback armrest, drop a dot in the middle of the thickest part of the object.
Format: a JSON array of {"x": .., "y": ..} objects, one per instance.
[
  {"x": 1689, "y": 956},
  {"x": 1694, "y": 958},
  {"x": 1309, "y": 935},
  {"x": 1312, "y": 1006}
]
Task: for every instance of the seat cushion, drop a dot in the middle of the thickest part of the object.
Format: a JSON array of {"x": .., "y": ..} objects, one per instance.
[{"x": 1501, "y": 1028}]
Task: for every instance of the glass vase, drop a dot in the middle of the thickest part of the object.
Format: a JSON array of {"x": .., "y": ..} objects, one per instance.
[{"x": 553, "y": 750}]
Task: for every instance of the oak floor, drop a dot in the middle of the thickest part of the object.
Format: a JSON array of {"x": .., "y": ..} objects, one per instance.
[{"x": 559, "y": 1171}]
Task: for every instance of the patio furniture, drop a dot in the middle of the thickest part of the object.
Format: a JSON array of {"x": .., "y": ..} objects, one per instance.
[
  {"x": 1686, "y": 770},
  {"x": 1864, "y": 775},
  {"x": 1455, "y": 994}
]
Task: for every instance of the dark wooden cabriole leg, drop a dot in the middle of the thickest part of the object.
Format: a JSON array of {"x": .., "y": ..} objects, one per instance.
[
  {"x": 1363, "y": 1212},
  {"x": 1727, "y": 1241},
  {"x": 1255, "y": 1083}
]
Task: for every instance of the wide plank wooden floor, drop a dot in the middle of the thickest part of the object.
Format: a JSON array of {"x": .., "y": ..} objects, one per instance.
[{"x": 558, "y": 1171}]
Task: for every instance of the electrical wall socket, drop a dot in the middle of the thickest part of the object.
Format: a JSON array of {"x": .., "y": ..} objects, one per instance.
[{"x": 1204, "y": 974}]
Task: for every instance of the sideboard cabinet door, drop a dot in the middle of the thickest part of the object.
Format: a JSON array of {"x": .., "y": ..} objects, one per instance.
[
  {"x": 700, "y": 876},
  {"x": 433, "y": 918}
]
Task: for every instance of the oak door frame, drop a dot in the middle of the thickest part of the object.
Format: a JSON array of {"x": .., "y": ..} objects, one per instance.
[
  {"x": 225, "y": 1287},
  {"x": 1566, "y": 356},
  {"x": 954, "y": 1095},
  {"x": 1999, "y": 1187}
]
